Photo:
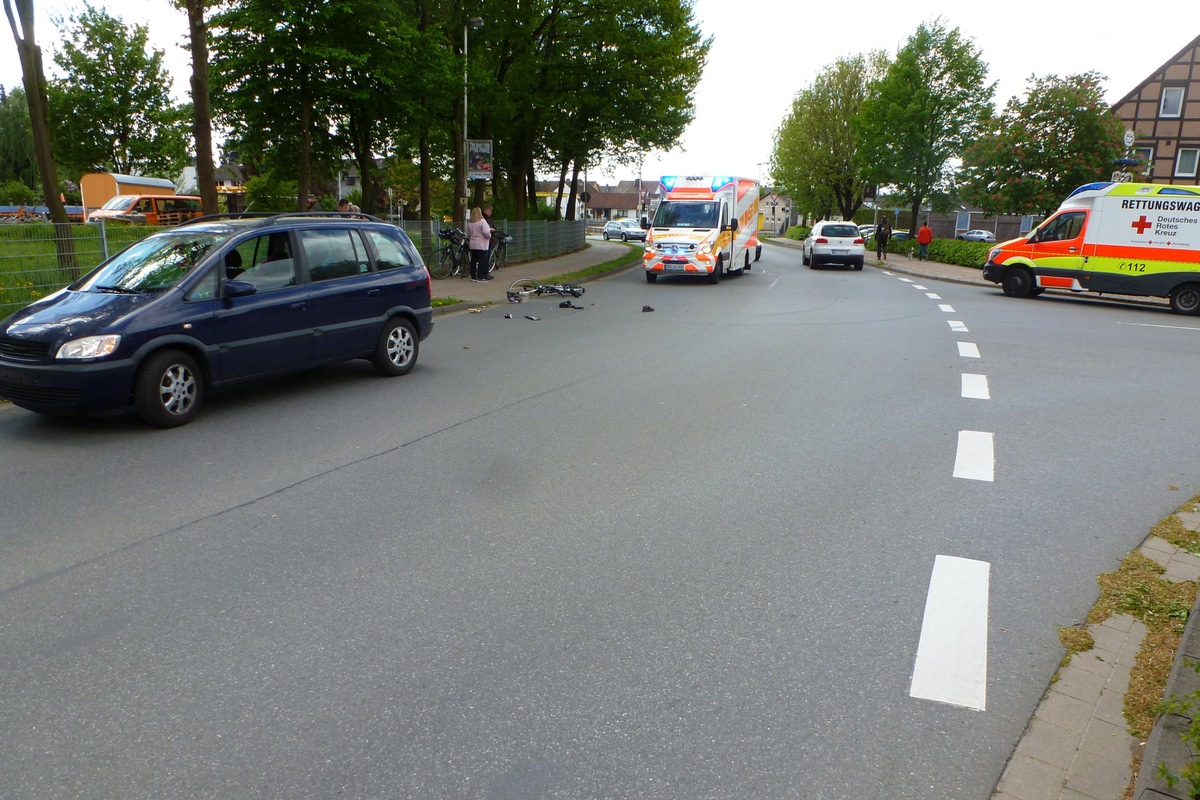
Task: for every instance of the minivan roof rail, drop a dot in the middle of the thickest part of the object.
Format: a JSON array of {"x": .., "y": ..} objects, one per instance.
[{"x": 275, "y": 216}]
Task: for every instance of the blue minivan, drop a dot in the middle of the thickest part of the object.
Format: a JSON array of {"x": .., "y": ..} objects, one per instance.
[{"x": 216, "y": 301}]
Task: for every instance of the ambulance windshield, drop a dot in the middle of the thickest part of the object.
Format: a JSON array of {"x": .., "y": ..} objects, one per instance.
[{"x": 687, "y": 214}]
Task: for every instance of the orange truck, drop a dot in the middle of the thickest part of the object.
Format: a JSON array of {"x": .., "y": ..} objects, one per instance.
[
  {"x": 703, "y": 225},
  {"x": 135, "y": 199},
  {"x": 1111, "y": 238}
]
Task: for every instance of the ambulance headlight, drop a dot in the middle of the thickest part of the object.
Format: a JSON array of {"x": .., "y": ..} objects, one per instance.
[
  {"x": 995, "y": 251},
  {"x": 705, "y": 248}
]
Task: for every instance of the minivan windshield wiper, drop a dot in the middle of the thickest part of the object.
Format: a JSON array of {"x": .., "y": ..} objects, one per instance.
[{"x": 119, "y": 290}]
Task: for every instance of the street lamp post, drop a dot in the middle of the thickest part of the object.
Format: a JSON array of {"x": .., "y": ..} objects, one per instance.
[{"x": 471, "y": 24}]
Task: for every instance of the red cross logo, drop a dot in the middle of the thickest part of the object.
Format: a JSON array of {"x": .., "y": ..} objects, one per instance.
[{"x": 1141, "y": 224}]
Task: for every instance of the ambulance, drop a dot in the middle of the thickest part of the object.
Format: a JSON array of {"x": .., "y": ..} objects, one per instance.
[
  {"x": 1111, "y": 238},
  {"x": 703, "y": 225}
]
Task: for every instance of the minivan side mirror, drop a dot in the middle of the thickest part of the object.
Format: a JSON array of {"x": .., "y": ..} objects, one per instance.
[
  {"x": 733, "y": 225},
  {"x": 236, "y": 288},
  {"x": 645, "y": 223}
]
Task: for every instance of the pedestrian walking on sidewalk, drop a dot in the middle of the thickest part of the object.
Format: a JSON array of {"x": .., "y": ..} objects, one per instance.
[
  {"x": 479, "y": 239},
  {"x": 883, "y": 232},
  {"x": 924, "y": 239}
]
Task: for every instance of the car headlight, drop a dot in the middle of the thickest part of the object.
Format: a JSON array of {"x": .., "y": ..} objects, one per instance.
[{"x": 89, "y": 347}]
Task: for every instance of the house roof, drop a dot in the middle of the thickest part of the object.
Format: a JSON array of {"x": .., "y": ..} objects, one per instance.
[{"x": 1156, "y": 74}]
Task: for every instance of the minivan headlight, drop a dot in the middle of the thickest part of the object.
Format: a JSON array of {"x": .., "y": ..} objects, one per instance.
[{"x": 89, "y": 347}]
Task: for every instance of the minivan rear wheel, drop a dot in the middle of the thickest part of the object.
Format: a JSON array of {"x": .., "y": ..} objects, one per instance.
[
  {"x": 169, "y": 389},
  {"x": 396, "y": 352}
]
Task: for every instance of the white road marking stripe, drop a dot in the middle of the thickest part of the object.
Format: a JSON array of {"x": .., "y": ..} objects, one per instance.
[
  {"x": 907, "y": 280},
  {"x": 772, "y": 286},
  {"x": 951, "y": 664},
  {"x": 968, "y": 350},
  {"x": 949, "y": 309},
  {"x": 957, "y": 325},
  {"x": 933, "y": 295},
  {"x": 975, "y": 387},
  {"x": 919, "y": 287},
  {"x": 1172, "y": 327},
  {"x": 975, "y": 459}
]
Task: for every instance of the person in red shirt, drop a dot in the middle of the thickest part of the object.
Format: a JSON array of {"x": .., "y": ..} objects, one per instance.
[{"x": 924, "y": 237}]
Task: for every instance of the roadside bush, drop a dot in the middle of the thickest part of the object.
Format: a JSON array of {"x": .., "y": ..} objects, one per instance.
[{"x": 797, "y": 232}]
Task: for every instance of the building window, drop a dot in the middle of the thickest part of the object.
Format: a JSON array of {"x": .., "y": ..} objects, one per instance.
[
  {"x": 1172, "y": 102},
  {"x": 1185, "y": 162},
  {"x": 1145, "y": 157}
]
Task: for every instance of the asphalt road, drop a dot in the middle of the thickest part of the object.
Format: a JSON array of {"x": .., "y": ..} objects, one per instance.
[{"x": 606, "y": 553}]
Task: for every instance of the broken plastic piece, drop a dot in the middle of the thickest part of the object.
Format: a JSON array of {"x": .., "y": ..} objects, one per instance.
[{"x": 532, "y": 317}]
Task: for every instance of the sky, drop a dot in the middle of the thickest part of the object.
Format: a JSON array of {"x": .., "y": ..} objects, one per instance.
[{"x": 765, "y": 51}]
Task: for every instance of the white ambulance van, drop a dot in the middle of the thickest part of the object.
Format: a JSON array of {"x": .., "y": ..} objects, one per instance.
[
  {"x": 1111, "y": 238},
  {"x": 703, "y": 225}
]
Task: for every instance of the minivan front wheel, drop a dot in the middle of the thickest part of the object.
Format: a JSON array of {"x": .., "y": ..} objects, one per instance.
[
  {"x": 169, "y": 389},
  {"x": 396, "y": 352}
]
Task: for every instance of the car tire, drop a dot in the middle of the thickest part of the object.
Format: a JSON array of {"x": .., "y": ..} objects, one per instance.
[
  {"x": 169, "y": 389},
  {"x": 804, "y": 258},
  {"x": 1017, "y": 282},
  {"x": 624, "y": 237},
  {"x": 1185, "y": 299},
  {"x": 715, "y": 275},
  {"x": 396, "y": 352},
  {"x": 605, "y": 235},
  {"x": 858, "y": 264},
  {"x": 651, "y": 277},
  {"x": 757, "y": 252}
]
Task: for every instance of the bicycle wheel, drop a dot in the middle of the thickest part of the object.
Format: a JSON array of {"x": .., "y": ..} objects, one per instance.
[
  {"x": 498, "y": 256},
  {"x": 462, "y": 263},
  {"x": 522, "y": 289},
  {"x": 441, "y": 263}
]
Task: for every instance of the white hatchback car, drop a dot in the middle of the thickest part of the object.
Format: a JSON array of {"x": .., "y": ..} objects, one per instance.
[{"x": 834, "y": 243}]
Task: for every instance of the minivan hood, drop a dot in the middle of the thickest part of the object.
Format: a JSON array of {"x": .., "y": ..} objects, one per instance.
[{"x": 70, "y": 315}]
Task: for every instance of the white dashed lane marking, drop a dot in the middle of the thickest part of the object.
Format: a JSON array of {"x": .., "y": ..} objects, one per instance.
[
  {"x": 951, "y": 663},
  {"x": 968, "y": 350},
  {"x": 975, "y": 459},
  {"x": 975, "y": 387},
  {"x": 957, "y": 325}
]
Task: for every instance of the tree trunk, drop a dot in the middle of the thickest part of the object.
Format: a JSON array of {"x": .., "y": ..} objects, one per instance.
[
  {"x": 34, "y": 81},
  {"x": 206, "y": 179}
]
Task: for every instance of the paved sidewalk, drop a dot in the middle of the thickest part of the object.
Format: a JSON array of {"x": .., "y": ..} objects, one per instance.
[{"x": 474, "y": 294}]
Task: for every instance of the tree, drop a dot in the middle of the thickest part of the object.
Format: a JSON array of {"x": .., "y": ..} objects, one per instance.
[
  {"x": 1061, "y": 136},
  {"x": 930, "y": 104},
  {"x": 34, "y": 80},
  {"x": 18, "y": 159},
  {"x": 201, "y": 109},
  {"x": 113, "y": 110},
  {"x": 814, "y": 160}
]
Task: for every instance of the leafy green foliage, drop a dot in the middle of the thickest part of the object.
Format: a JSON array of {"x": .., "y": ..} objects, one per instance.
[
  {"x": 112, "y": 108},
  {"x": 814, "y": 155},
  {"x": 1061, "y": 136},
  {"x": 18, "y": 161},
  {"x": 921, "y": 115}
]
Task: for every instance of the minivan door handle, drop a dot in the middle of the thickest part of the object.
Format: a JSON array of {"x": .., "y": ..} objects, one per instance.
[
  {"x": 299, "y": 306},
  {"x": 373, "y": 293}
]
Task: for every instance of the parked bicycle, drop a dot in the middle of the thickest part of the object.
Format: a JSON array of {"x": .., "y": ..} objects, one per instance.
[
  {"x": 528, "y": 287},
  {"x": 453, "y": 257},
  {"x": 499, "y": 254}
]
